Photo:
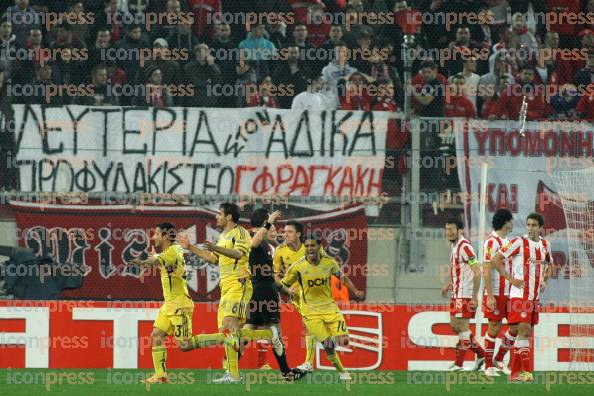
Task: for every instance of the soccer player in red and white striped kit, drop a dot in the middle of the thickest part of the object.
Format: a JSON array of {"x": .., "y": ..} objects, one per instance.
[
  {"x": 465, "y": 280},
  {"x": 532, "y": 265},
  {"x": 496, "y": 298}
]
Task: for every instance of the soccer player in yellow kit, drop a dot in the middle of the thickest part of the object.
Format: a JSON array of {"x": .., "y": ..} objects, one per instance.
[
  {"x": 322, "y": 317},
  {"x": 231, "y": 252}
]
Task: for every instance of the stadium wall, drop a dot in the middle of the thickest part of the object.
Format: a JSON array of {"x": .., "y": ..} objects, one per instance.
[{"x": 86, "y": 334}]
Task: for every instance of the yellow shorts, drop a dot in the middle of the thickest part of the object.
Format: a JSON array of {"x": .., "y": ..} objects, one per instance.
[
  {"x": 179, "y": 324},
  {"x": 235, "y": 299},
  {"x": 323, "y": 326}
]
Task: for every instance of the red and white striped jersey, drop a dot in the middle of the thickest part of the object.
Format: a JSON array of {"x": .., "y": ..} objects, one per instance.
[
  {"x": 461, "y": 259},
  {"x": 528, "y": 263},
  {"x": 492, "y": 245}
]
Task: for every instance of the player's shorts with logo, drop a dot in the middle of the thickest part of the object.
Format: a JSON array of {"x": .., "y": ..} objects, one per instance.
[
  {"x": 178, "y": 324},
  {"x": 523, "y": 311},
  {"x": 322, "y": 326},
  {"x": 460, "y": 308},
  {"x": 235, "y": 298},
  {"x": 501, "y": 308},
  {"x": 264, "y": 306}
]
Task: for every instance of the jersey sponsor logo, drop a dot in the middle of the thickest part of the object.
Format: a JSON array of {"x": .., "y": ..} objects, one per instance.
[{"x": 318, "y": 282}]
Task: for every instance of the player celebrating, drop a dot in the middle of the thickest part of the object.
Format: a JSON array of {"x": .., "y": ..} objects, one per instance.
[
  {"x": 231, "y": 252},
  {"x": 531, "y": 269},
  {"x": 495, "y": 301},
  {"x": 265, "y": 303},
  {"x": 289, "y": 252},
  {"x": 321, "y": 315},
  {"x": 465, "y": 280},
  {"x": 175, "y": 315}
]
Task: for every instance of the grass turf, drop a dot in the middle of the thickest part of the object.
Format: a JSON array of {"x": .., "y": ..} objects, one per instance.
[{"x": 370, "y": 383}]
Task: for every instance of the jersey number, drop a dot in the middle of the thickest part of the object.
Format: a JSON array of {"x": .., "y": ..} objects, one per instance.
[
  {"x": 178, "y": 330},
  {"x": 341, "y": 326}
]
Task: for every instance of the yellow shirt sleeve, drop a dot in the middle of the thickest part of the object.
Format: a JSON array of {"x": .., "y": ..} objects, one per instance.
[
  {"x": 291, "y": 275},
  {"x": 277, "y": 262},
  {"x": 168, "y": 257},
  {"x": 242, "y": 241}
]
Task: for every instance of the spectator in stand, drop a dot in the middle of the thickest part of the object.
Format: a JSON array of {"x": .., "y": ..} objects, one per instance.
[
  {"x": 258, "y": 50},
  {"x": 110, "y": 17},
  {"x": 380, "y": 70},
  {"x": 384, "y": 100},
  {"x": 334, "y": 38},
  {"x": 318, "y": 26},
  {"x": 585, "y": 77},
  {"x": 64, "y": 70},
  {"x": 585, "y": 107},
  {"x": 503, "y": 82},
  {"x": 471, "y": 79},
  {"x": 204, "y": 12},
  {"x": 24, "y": 71},
  {"x": 429, "y": 92},
  {"x": 222, "y": 48},
  {"x": 564, "y": 31},
  {"x": 80, "y": 31},
  {"x": 356, "y": 92},
  {"x": 41, "y": 90},
  {"x": 164, "y": 61},
  {"x": 244, "y": 84},
  {"x": 355, "y": 14},
  {"x": 7, "y": 48},
  {"x": 204, "y": 75},
  {"x": 75, "y": 61},
  {"x": 565, "y": 102},
  {"x": 116, "y": 75},
  {"x": 162, "y": 29},
  {"x": 155, "y": 94},
  {"x": 521, "y": 35},
  {"x": 133, "y": 41},
  {"x": 488, "y": 82},
  {"x": 27, "y": 19},
  {"x": 549, "y": 57},
  {"x": 336, "y": 70},
  {"x": 508, "y": 107},
  {"x": 460, "y": 51},
  {"x": 277, "y": 33},
  {"x": 456, "y": 103},
  {"x": 102, "y": 94},
  {"x": 329, "y": 98},
  {"x": 98, "y": 53},
  {"x": 311, "y": 99},
  {"x": 182, "y": 38},
  {"x": 263, "y": 97},
  {"x": 301, "y": 8},
  {"x": 137, "y": 7},
  {"x": 290, "y": 73}
]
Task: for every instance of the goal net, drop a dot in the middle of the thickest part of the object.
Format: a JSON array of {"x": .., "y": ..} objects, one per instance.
[{"x": 576, "y": 193}]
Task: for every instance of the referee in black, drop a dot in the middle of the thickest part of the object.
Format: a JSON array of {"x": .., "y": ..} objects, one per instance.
[{"x": 264, "y": 309}]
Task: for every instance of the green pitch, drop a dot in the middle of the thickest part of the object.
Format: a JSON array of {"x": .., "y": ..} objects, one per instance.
[{"x": 196, "y": 382}]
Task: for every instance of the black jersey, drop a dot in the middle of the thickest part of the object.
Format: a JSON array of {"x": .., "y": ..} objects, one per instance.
[{"x": 261, "y": 263}]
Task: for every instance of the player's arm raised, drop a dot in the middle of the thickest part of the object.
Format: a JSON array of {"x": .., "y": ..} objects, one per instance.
[
  {"x": 202, "y": 253},
  {"x": 262, "y": 233}
]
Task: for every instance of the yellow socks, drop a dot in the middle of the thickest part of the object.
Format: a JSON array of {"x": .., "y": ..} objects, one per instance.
[
  {"x": 310, "y": 343},
  {"x": 232, "y": 361},
  {"x": 251, "y": 334},
  {"x": 336, "y": 362},
  {"x": 204, "y": 340},
  {"x": 159, "y": 360}
]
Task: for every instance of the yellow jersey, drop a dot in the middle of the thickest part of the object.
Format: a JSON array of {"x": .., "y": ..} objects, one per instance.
[
  {"x": 315, "y": 284},
  {"x": 230, "y": 268},
  {"x": 173, "y": 279},
  {"x": 284, "y": 256}
]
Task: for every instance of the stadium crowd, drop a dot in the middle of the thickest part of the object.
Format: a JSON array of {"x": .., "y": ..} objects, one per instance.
[{"x": 332, "y": 54}]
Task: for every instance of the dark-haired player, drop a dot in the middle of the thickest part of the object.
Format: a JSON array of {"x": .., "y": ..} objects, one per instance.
[
  {"x": 531, "y": 268},
  {"x": 231, "y": 252},
  {"x": 265, "y": 302},
  {"x": 463, "y": 287},
  {"x": 496, "y": 298},
  {"x": 321, "y": 315}
]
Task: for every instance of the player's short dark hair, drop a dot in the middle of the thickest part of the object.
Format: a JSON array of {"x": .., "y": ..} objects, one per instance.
[
  {"x": 313, "y": 235},
  {"x": 298, "y": 227},
  {"x": 168, "y": 229},
  {"x": 457, "y": 222},
  {"x": 536, "y": 216},
  {"x": 259, "y": 217},
  {"x": 232, "y": 209},
  {"x": 501, "y": 217}
]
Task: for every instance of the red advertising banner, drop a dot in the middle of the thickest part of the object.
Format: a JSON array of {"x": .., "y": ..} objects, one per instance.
[
  {"x": 86, "y": 334},
  {"x": 103, "y": 238}
]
